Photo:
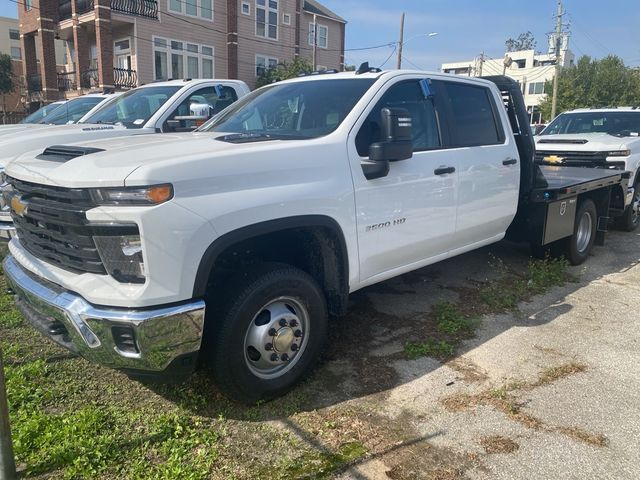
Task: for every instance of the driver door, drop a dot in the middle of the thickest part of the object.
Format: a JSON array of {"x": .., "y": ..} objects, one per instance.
[{"x": 406, "y": 219}]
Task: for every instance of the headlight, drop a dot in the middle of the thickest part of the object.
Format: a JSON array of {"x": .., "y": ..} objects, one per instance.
[
  {"x": 619, "y": 153},
  {"x": 122, "y": 257},
  {"x": 152, "y": 195},
  {"x": 6, "y": 192}
]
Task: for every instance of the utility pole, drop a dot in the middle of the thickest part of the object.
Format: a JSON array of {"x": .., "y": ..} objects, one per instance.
[
  {"x": 481, "y": 64},
  {"x": 315, "y": 41},
  {"x": 401, "y": 42},
  {"x": 7, "y": 462},
  {"x": 558, "y": 39}
]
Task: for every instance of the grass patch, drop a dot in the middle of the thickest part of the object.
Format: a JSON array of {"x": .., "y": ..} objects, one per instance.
[
  {"x": 498, "y": 444},
  {"x": 451, "y": 327},
  {"x": 512, "y": 288},
  {"x": 324, "y": 465}
]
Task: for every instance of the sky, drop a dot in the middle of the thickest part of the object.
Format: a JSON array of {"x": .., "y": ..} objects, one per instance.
[{"x": 467, "y": 27}]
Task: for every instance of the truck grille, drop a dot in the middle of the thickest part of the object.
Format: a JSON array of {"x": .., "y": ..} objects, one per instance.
[
  {"x": 53, "y": 227},
  {"x": 580, "y": 159}
]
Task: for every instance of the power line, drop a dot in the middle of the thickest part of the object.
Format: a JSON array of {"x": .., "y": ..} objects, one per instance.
[{"x": 389, "y": 57}]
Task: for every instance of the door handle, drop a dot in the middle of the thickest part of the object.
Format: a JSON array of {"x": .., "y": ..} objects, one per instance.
[
  {"x": 509, "y": 161},
  {"x": 444, "y": 170}
]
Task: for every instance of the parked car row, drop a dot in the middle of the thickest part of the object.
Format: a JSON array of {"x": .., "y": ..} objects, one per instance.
[
  {"x": 161, "y": 107},
  {"x": 232, "y": 245}
]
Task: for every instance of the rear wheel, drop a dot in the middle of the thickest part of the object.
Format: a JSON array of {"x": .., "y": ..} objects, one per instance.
[
  {"x": 576, "y": 248},
  {"x": 269, "y": 334},
  {"x": 630, "y": 219}
]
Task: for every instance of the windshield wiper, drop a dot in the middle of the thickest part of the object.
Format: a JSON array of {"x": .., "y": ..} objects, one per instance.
[
  {"x": 623, "y": 133},
  {"x": 257, "y": 137},
  {"x": 102, "y": 122}
]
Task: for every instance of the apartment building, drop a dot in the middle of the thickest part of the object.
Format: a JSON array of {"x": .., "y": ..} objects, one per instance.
[
  {"x": 10, "y": 45},
  {"x": 530, "y": 69},
  {"x": 125, "y": 43}
]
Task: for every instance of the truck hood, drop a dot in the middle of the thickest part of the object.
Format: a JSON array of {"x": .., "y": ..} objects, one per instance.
[
  {"x": 587, "y": 142},
  {"x": 8, "y": 130},
  {"x": 19, "y": 140},
  {"x": 120, "y": 157}
]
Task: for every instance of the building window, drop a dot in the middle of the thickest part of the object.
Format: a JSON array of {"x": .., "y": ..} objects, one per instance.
[
  {"x": 16, "y": 53},
  {"x": 246, "y": 8},
  {"x": 263, "y": 63},
  {"x": 27, "y": 5},
  {"x": 323, "y": 35},
  {"x": 536, "y": 88},
  {"x": 14, "y": 34},
  {"x": 520, "y": 63},
  {"x": 267, "y": 19},
  {"x": 176, "y": 59},
  {"x": 193, "y": 8},
  {"x": 286, "y": 19}
]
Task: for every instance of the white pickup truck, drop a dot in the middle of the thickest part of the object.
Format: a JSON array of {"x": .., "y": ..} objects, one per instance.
[
  {"x": 606, "y": 138},
  {"x": 159, "y": 107},
  {"x": 234, "y": 244}
]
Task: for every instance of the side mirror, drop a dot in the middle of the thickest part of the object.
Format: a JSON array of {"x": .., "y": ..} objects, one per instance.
[
  {"x": 199, "y": 113},
  {"x": 395, "y": 146}
]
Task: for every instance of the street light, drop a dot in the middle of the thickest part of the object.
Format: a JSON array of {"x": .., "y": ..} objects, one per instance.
[{"x": 402, "y": 42}]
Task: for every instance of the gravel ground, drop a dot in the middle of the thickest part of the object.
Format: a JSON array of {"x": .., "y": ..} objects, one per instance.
[{"x": 583, "y": 423}]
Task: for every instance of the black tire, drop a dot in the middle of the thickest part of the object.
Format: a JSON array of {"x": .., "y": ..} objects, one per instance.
[
  {"x": 233, "y": 365},
  {"x": 630, "y": 219},
  {"x": 576, "y": 248}
]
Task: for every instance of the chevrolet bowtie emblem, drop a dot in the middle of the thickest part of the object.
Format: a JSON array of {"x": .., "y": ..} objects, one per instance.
[
  {"x": 553, "y": 159},
  {"x": 19, "y": 207}
]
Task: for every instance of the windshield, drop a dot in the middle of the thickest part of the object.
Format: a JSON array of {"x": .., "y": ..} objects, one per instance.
[
  {"x": 134, "y": 108},
  {"x": 72, "y": 111},
  {"x": 613, "y": 123},
  {"x": 292, "y": 110},
  {"x": 38, "y": 115}
]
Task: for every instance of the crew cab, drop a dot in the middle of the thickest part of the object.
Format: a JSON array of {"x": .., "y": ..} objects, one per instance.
[
  {"x": 159, "y": 107},
  {"x": 233, "y": 244},
  {"x": 606, "y": 138}
]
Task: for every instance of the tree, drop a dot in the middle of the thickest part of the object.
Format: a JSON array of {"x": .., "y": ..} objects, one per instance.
[
  {"x": 525, "y": 41},
  {"x": 7, "y": 80},
  {"x": 284, "y": 71},
  {"x": 594, "y": 83}
]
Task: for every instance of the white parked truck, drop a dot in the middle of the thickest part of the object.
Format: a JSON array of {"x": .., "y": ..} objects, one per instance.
[
  {"x": 607, "y": 138},
  {"x": 234, "y": 244},
  {"x": 160, "y": 107}
]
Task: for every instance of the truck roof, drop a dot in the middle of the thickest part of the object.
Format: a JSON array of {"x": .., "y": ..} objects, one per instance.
[
  {"x": 189, "y": 82},
  {"x": 330, "y": 75},
  {"x": 605, "y": 109}
]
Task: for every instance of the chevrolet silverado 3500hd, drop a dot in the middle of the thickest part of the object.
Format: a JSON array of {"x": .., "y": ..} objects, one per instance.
[{"x": 235, "y": 243}]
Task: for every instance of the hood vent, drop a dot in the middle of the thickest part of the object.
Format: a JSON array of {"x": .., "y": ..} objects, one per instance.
[
  {"x": 63, "y": 153},
  {"x": 565, "y": 141}
]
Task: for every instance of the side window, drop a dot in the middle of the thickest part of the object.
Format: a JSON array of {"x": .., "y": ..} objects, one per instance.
[
  {"x": 204, "y": 96},
  {"x": 407, "y": 95},
  {"x": 474, "y": 120}
]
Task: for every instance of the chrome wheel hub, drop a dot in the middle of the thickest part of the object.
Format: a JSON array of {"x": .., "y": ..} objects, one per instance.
[
  {"x": 276, "y": 337},
  {"x": 583, "y": 235}
]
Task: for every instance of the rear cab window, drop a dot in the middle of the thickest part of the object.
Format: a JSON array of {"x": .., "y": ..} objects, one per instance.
[{"x": 472, "y": 115}]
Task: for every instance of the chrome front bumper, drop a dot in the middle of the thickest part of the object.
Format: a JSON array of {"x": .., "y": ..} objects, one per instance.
[
  {"x": 164, "y": 339},
  {"x": 7, "y": 230}
]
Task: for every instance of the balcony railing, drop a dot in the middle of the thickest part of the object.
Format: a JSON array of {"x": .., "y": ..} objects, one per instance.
[
  {"x": 141, "y": 8},
  {"x": 66, "y": 81},
  {"x": 125, "y": 78},
  {"x": 34, "y": 83},
  {"x": 122, "y": 78}
]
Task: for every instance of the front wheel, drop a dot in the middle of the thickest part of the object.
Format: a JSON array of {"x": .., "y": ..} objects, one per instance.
[
  {"x": 269, "y": 334},
  {"x": 576, "y": 248}
]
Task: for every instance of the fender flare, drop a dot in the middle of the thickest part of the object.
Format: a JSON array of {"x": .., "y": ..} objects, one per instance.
[{"x": 233, "y": 237}]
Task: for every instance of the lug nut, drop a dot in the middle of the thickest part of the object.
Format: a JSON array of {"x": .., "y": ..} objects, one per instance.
[
  {"x": 293, "y": 323},
  {"x": 283, "y": 322},
  {"x": 274, "y": 357},
  {"x": 297, "y": 333},
  {"x": 284, "y": 357},
  {"x": 268, "y": 346},
  {"x": 272, "y": 332},
  {"x": 294, "y": 347}
]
